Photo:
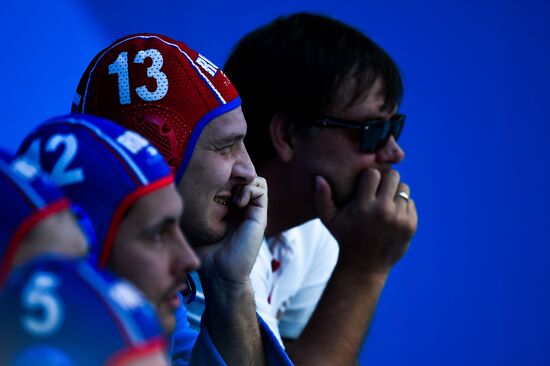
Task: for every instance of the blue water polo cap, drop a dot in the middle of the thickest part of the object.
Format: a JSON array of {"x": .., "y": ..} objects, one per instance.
[{"x": 102, "y": 167}]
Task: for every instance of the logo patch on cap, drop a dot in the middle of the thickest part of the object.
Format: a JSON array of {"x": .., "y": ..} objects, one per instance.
[
  {"x": 132, "y": 141},
  {"x": 207, "y": 65}
]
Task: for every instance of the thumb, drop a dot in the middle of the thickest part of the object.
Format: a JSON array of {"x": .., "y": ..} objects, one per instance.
[{"x": 326, "y": 209}]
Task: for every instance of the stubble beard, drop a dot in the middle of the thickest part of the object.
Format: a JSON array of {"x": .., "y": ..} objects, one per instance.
[{"x": 200, "y": 232}]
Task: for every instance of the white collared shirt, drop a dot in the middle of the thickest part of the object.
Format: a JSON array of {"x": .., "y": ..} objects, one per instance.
[{"x": 290, "y": 275}]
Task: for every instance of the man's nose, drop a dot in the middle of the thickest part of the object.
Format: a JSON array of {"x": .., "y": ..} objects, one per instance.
[
  {"x": 243, "y": 169},
  {"x": 185, "y": 258},
  {"x": 390, "y": 153}
]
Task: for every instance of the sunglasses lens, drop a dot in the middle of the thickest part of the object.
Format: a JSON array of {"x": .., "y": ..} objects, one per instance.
[
  {"x": 376, "y": 134},
  {"x": 397, "y": 127},
  {"x": 372, "y": 135}
]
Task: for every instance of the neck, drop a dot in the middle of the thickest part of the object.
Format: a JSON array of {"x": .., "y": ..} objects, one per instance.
[{"x": 290, "y": 197}]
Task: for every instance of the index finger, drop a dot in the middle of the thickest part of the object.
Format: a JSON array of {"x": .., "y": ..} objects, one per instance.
[
  {"x": 388, "y": 185},
  {"x": 368, "y": 185}
]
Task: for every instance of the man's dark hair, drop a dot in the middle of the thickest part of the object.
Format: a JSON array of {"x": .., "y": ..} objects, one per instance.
[{"x": 297, "y": 65}]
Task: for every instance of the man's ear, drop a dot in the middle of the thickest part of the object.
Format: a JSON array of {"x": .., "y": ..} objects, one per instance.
[{"x": 280, "y": 133}]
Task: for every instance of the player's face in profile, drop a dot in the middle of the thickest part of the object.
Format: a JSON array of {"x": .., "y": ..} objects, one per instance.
[
  {"x": 219, "y": 163},
  {"x": 57, "y": 233},
  {"x": 335, "y": 152},
  {"x": 151, "y": 251}
]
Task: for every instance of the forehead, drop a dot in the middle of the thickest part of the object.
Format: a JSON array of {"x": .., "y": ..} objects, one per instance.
[
  {"x": 62, "y": 220},
  {"x": 230, "y": 125},
  {"x": 157, "y": 205},
  {"x": 368, "y": 106}
]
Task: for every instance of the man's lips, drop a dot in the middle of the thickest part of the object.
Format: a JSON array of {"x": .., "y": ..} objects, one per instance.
[{"x": 173, "y": 299}]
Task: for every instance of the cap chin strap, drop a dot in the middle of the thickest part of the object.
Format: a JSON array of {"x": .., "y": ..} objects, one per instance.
[
  {"x": 191, "y": 289},
  {"x": 87, "y": 227}
]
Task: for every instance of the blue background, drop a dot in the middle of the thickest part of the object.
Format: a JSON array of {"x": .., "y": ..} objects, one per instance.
[{"x": 473, "y": 288}]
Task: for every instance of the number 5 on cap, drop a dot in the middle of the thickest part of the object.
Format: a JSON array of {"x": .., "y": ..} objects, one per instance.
[{"x": 39, "y": 294}]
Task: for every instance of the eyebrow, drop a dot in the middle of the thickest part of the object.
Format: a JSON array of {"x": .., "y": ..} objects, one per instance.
[
  {"x": 227, "y": 140},
  {"x": 393, "y": 115},
  {"x": 159, "y": 226}
]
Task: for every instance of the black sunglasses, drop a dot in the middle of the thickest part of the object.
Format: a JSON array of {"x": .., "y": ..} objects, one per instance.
[{"x": 375, "y": 133}]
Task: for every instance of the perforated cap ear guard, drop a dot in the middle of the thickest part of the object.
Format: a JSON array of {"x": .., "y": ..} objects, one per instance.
[{"x": 87, "y": 227}]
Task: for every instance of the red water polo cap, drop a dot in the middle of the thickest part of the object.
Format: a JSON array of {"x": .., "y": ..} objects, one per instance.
[{"x": 160, "y": 88}]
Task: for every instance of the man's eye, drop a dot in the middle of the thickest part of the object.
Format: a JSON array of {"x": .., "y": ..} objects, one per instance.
[
  {"x": 160, "y": 236},
  {"x": 224, "y": 149}
]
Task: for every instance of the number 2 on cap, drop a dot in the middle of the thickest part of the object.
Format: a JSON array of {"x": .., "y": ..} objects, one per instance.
[{"x": 120, "y": 67}]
